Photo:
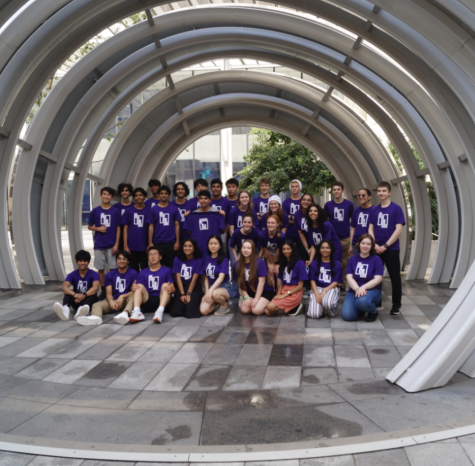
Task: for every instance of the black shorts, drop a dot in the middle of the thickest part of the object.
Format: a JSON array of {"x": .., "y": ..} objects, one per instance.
[
  {"x": 151, "y": 305},
  {"x": 266, "y": 294}
]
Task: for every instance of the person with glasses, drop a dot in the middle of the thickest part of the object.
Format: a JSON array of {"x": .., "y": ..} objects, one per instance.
[{"x": 360, "y": 219}]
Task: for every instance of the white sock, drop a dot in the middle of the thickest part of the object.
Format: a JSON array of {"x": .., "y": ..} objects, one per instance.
[
  {"x": 161, "y": 309},
  {"x": 136, "y": 308}
]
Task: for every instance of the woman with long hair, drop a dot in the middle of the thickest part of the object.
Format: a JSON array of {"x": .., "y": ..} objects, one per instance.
[
  {"x": 325, "y": 275},
  {"x": 301, "y": 222},
  {"x": 275, "y": 208},
  {"x": 250, "y": 272},
  {"x": 218, "y": 288},
  {"x": 290, "y": 281},
  {"x": 364, "y": 274},
  {"x": 247, "y": 231},
  {"x": 188, "y": 268},
  {"x": 270, "y": 242},
  {"x": 243, "y": 207},
  {"x": 318, "y": 229}
]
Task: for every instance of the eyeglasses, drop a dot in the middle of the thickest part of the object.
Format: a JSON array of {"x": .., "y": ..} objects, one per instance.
[{"x": 361, "y": 195}]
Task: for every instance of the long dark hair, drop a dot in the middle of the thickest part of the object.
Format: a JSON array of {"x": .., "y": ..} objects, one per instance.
[
  {"x": 221, "y": 254},
  {"x": 197, "y": 254},
  {"x": 319, "y": 255},
  {"x": 294, "y": 257},
  {"x": 241, "y": 268},
  {"x": 301, "y": 208},
  {"x": 321, "y": 219}
]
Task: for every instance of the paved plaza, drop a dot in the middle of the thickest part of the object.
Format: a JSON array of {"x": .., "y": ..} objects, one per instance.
[{"x": 229, "y": 380}]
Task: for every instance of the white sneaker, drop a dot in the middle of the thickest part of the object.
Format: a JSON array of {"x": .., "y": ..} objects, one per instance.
[
  {"x": 158, "y": 316},
  {"x": 122, "y": 318},
  {"x": 61, "y": 311},
  {"x": 82, "y": 311},
  {"x": 89, "y": 320},
  {"x": 136, "y": 316}
]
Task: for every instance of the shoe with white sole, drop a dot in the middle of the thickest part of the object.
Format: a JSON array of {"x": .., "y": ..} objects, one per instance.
[
  {"x": 122, "y": 318},
  {"x": 295, "y": 311},
  {"x": 158, "y": 316},
  {"x": 136, "y": 316},
  {"x": 89, "y": 320},
  {"x": 222, "y": 311},
  {"x": 82, "y": 311},
  {"x": 61, "y": 311}
]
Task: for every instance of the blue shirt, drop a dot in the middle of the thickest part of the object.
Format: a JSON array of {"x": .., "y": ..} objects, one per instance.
[
  {"x": 323, "y": 276},
  {"x": 272, "y": 244},
  {"x": 291, "y": 207},
  {"x": 340, "y": 215},
  {"x": 360, "y": 222},
  {"x": 222, "y": 204},
  {"x": 105, "y": 217},
  {"x": 188, "y": 268},
  {"x": 137, "y": 231},
  {"x": 384, "y": 220},
  {"x": 213, "y": 269},
  {"x": 238, "y": 238},
  {"x": 122, "y": 209},
  {"x": 82, "y": 284},
  {"x": 188, "y": 205},
  {"x": 316, "y": 235},
  {"x": 236, "y": 215},
  {"x": 364, "y": 270},
  {"x": 201, "y": 225},
  {"x": 153, "y": 281},
  {"x": 121, "y": 282},
  {"x": 296, "y": 275},
  {"x": 163, "y": 220}
]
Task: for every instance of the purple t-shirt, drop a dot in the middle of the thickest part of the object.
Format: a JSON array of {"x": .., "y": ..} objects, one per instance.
[
  {"x": 222, "y": 204},
  {"x": 272, "y": 244},
  {"x": 301, "y": 222},
  {"x": 238, "y": 238},
  {"x": 121, "y": 282},
  {"x": 324, "y": 277},
  {"x": 137, "y": 231},
  {"x": 261, "y": 272},
  {"x": 232, "y": 203},
  {"x": 364, "y": 270},
  {"x": 236, "y": 215},
  {"x": 360, "y": 222},
  {"x": 163, "y": 220},
  {"x": 201, "y": 225},
  {"x": 291, "y": 207},
  {"x": 264, "y": 221},
  {"x": 153, "y": 280},
  {"x": 82, "y": 284},
  {"x": 213, "y": 269},
  {"x": 122, "y": 208},
  {"x": 340, "y": 215},
  {"x": 261, "y": 205},
  {"x": 188, "y": 268},
  {"x": 296, "y": 275},
  {"x": 188, "y": 205},
  {"x": 384, "y": 221},
  {"x": 316, "y": 235},
  {"x": 151, "y": 202},
  {"x": 109, "y": 218}
]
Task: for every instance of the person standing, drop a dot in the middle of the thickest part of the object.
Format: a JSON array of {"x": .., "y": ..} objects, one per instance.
[
  {"x": 340, "y": 212},
  {"x": 232, "y": 186},
  {"x": 261, "y": 202},
  {"x": 184, "y": 206},
  {"x": 291, "y": 207},
  {"x": 125, "y": 191},
  {"x": 244, "y": 207},
  {"x": 199, "y": 185},
  {"x": 154, "y": 186},
  {"x": 360, "y": 219},
  {"x": 385, "y": 226}
]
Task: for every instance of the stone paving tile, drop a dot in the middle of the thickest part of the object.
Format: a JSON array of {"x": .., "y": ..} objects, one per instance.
[
  {"x": 254, "y": 355},
  {"x": 264, "y": 321},
  {"x": 172, "y": 378},
  {"x": 330, "y": 461},
  {"x": 376, "y": 325},
  {"x": 242, "y": 321},
  {"x": 74, "y": 349},
  {"x": 161, "y": 351},
  {"x": 234, "y": 335},
  {"x": 16, "y": 412},
  {"x": 413, "y": 310},
  {"x": 239, "y": 400},
  {"x": 403, "y": 337},
  {"x": 218, "y": 321},
  {"x": 153, "y": 333},
  {"x": 318, "y": 323},
  {"x": 338, "y": 322},
  {"x": 318, "y": 356},
  {"x": 261, "y": 336},
  {"x": 207, "y": 334},
  {"x": 305, "y": 396},
  {"x": 19, "y": 346},
  {"x": 421, "y": 300},
  {"x": 347, "y": 337},
  {"x": 441, "y": 454},
  {"x": 383, "y": 356},
  {"x": 128, "y": 332},
  {"x": 318, "y": 336},
  {"x": 418, "y": 323},
  {"x": 13, "y": 365},
  {"x": 54, "y": 329},
  {"x": 43, "y": 349},
  {"x": 41, "y": 392},
  {"x": 290, "y": 335},
  {"x": 14, "y": 459},
  {"x": 7, "y": 327},
  {"x": 403, "y": 350},
  {"x": 394, "y": 322},
  {"x": 101, "y": 398},
  {"x": 245, "y": 378},
  {"x": 351, "y": 374},
  {"x": 181, "y": 334},
  {"x": 286, "y": 355},
  {"x": 281, "y": 377},
  {"x": 318, "y": 376},
  {"x": 208, "y": 378},
  {"x": 378, "y": 337},
  {"x": 102, "y": 331},
  {"x": 273, "y": 463},
  {"x": 73, "y": 332},
  {"x": 131, "y": 351},
  {"x": 386, "y": 458},
  {"x": 72, "y": 371},
  {"x": 101, "y": 350},
  {"x": 366, "y": 389},
  {"x": 45, "y": 461},
  {"x": 352, "y": 356},
  {"x": 169, "y": 401},
  {"x": 222, "y": 354},
  {"x": 191, "y": 353},
  {"x": 138, "y": 375},
  {"x": 103, "y": 374},
  {"x": 27, "y": 329}
]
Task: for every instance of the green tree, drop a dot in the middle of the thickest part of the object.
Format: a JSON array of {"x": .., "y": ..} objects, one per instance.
[{"x": 282, "y": 159}]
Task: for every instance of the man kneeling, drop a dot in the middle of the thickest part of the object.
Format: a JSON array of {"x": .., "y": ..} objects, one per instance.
[
  {"x": 119, "y": 295},
  {"x": 153, "y": 288},
  {"x": 85, "y": 283}
]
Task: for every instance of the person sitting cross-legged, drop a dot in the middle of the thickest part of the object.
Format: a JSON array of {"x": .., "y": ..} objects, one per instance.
[
  {"x": 119, "y": 296},
  {"x": 153, "y": 288},
  {"x": 85, "y": 284}
]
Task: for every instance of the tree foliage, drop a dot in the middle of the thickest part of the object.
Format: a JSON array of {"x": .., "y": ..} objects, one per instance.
[{"x": 281, "y": 159}]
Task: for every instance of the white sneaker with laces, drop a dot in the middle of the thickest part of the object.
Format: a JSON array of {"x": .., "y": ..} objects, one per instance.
[
  {"x": 136, "y": 316},
  {"x": 61, "y": 311},
  {"x": 82, "y": 311},
  {"x": 89, "y": 320},
  {"x": 122, "y": 318},
  {"x": 158, "y": 316}
]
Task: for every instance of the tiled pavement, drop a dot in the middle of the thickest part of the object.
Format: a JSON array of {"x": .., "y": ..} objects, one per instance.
[{"x": 217, "y": 380}]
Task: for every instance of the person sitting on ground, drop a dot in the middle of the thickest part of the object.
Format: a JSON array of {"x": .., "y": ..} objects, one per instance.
[
  {"x": 247, "y": 231},
  {"x": 325, "y": 275},
  {"x": 119, "y": 296},
  {"x": 153, "y": 288},
  {"x": 290, "y": 281},
  {"x": 275, "y": 208},
  {"x": 218, "y": 288},
  {"x": 188, "y": 268},
  {"x": 85, "y": 283},
  {"x": 364, "y": 275},
  {"x": 270, "y": 241},
  {"x": 251, "y": 273}
]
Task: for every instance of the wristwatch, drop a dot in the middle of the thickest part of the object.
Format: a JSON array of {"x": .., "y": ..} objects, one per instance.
[
  {"x": 386, "y": 245},
  {"x": 288, "y": 292}
]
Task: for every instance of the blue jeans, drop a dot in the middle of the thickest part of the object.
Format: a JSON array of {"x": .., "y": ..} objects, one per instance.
[
  {"x": 235, "y": 291},
  {"x": 352, "y": 306}
]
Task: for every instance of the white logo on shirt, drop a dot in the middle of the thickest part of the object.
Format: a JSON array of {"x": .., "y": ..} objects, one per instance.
[
  {"x": 204, "y": 224},
  {"x": 153, "y": 204},
  {"x": 122, "y": 212},
  {"x": 294, "y": 208},
  {"x": 361, "y": 270},
  {"x": 120, "y": 284},
  {"x": 82, "y": 286},
  {"x": 363, "y": 219},
  {"x": 182, "y": 213},
  {"x": 339, "y": 214},
  {"x": 138, "y": 220},
  {"x": 153, "y": 282},
  {"x": 287, "y": 276},
  {"x": 304, "y": 225},
  {"x": 164, "y": 218},
  {"x": 263, "y": 207},
  {"x": 105, "y": 220},
  {"x": 272, "y": 247},
  {"x": 383, "y": 220},
  {"x": 239, "y": 222},
  {"x": 324, "y": 275},
  {"x": 246, "y": 275},
  {"x": 210, "y": 271},
  {"x": 185, "y": 272},
  {"x": 198, "y": 205},
  {"x": 317, "y": 238}
]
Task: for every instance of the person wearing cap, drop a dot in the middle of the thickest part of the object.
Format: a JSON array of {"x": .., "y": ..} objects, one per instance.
[{"x": 275, "y": 208}]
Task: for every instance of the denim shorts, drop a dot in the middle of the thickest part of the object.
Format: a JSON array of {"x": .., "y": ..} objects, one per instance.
[{"x": 228, "y": 287}]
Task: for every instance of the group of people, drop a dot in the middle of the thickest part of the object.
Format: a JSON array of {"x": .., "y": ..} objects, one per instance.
[{"x": 191, "y": 256}]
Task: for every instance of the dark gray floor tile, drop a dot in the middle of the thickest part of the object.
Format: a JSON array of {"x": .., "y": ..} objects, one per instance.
[
  {"x": 366, "y": 389},
  {"x": 318, "y": 375},
  {"x": 254, "y": 355},
  {"x": 19, "y": 346},
  {"x": 286, "y": 355},
  {"x": 305, "y": 396},
  {"x": 73, "y": 332},
  {"x": 41, "y": 392},
  {"x": 222, "y": 354},
  {"x": 234, "y": 335},
  {"x": 102, "y": 398},
  {"x": 241, "y": 320},
  {"x": 138, "y": 375},
  {"x": 261, "y": 335},
  {"x": 395, "y": 457},
  {"x": 238, "y": 400},
  {"x": 245, "y": 378},
  {"x": 42, "y": 368},
  {"x": 101, "y": 350},
  {"x": 352, "y": 374},
  {"x": 169, "y": 401},
  {"x": 347, "y": 337},
  {"x": 207, "y": 334},
  {"x": 11, "y": 366},
  {"x": 324, "y": 322},
  {"x": 208, "y": 377},
  {"x": 14, "y": 459},
  {"x": 7, "y": 382},
  {"x": 394, "y": 322},
  {"x": 103, "y": 374},
  {"x": 383, "y": 356},
  {"x": 15, "y": 412}
]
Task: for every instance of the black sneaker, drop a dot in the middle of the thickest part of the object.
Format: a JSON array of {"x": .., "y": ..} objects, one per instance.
[
  {"x": 371, "y": 317},
  {"x": 295, "y": 311},
  {"x": 395, "y": 311}
]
